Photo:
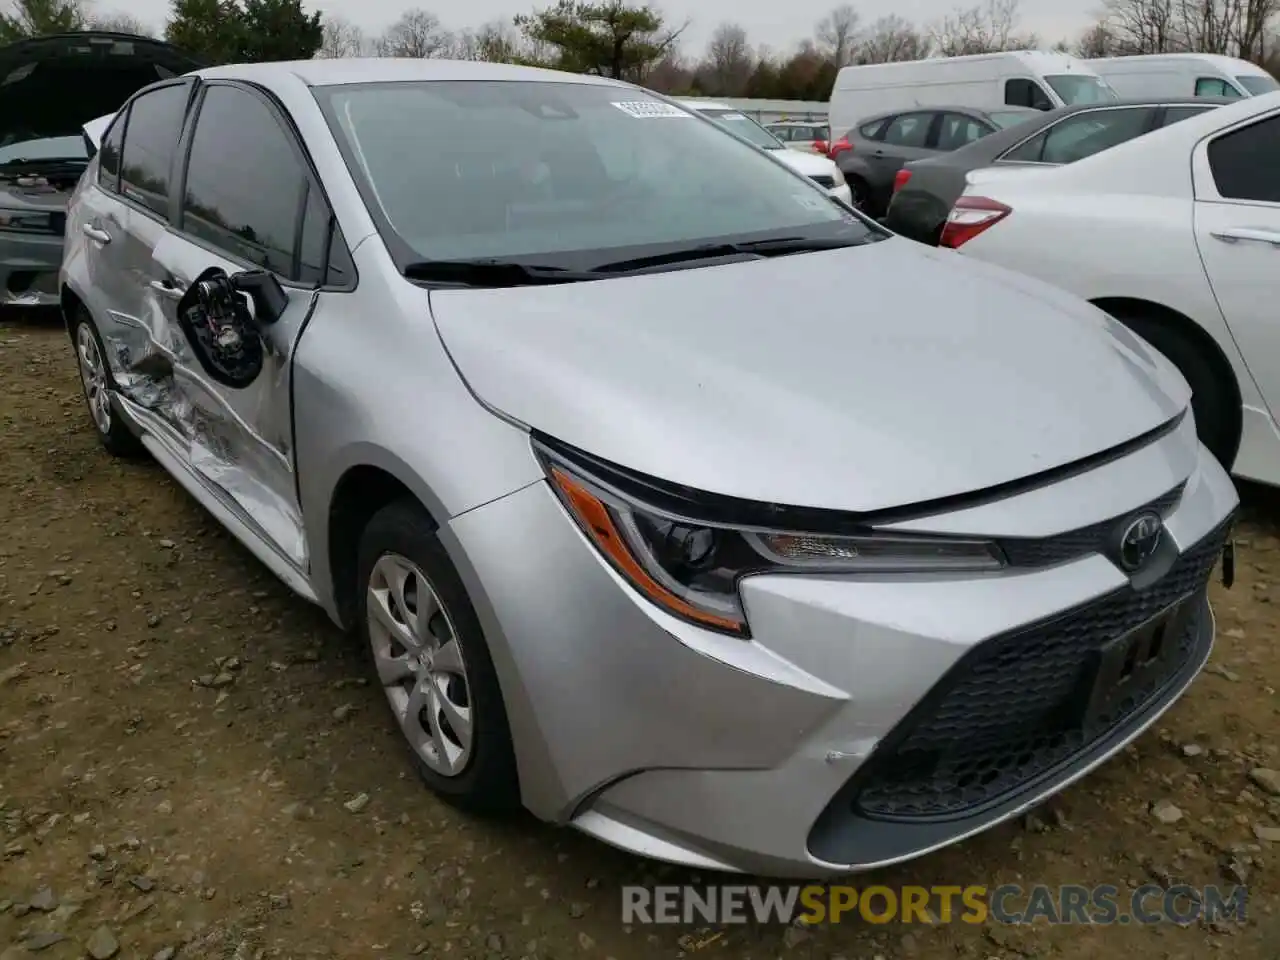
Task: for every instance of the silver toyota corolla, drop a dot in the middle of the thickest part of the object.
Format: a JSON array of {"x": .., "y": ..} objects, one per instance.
[{"x": 504, "y": 369}]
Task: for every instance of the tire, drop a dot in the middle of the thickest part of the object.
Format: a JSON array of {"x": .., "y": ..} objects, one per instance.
[
  {"x": 859, "y": 192},
  {"x": 400, "y": 537},
  {"x": 1213, "y": 397},
  {"x": 99, "y": 386}
]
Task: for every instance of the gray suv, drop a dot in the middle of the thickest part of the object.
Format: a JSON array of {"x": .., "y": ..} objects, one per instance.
[{"x": 49, "y": 88}]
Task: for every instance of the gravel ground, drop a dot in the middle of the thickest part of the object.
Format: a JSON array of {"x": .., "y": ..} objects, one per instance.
[{"x": 192, "y": 763}]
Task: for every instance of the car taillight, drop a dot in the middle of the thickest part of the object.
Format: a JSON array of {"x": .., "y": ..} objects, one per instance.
[
  {"x": 900, "y": 179},
  {"x": 970, "y": 217},
  {"x": 820, "y": 146},
  {"x": 838, "y": 147}
]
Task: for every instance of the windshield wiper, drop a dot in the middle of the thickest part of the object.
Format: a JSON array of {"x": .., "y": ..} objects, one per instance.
[
  {"x": 769, "y": 247},
  {"x": 492, "y": 272}
]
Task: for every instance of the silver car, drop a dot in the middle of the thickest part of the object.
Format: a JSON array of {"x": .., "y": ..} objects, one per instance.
[{"x": 502, "y": 368}]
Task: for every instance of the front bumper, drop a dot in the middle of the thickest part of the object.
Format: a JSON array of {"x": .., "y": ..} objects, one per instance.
[
  {"x": 759, "y": 755},
  {"x": 29, "y": 269}
]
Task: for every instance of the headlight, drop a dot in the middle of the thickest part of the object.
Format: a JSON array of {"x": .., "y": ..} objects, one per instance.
[
  {"x": 26, "y": 221},
  {"x": 691, "y": 567},
  {"x": 839, "y": 177}
]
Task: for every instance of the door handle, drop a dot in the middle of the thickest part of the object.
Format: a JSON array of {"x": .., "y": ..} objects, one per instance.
[
  {"x": 162, "y": 288},
  {"x": 1256, "y": 234},
  {"x": 96, "y": 234}
]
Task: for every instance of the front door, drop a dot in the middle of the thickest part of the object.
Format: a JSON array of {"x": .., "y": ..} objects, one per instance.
[
  {"x": 1237, "y": 224},
  {"x": 250, "y": 206}
]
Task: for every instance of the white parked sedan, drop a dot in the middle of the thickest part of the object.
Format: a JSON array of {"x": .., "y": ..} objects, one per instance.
[
  {"x": 820, "y": 169},
  {"x": 1177, "y": 235}
]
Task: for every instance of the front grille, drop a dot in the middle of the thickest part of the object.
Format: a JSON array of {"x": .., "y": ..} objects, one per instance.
[
  {"x": 1013, "y": 708},
  {"x": 824, "y": 181},
  {"x": 1074, "y": 544}
]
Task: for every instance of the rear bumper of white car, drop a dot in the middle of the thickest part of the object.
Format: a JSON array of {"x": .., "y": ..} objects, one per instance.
[{"x": 865, "y": 722}]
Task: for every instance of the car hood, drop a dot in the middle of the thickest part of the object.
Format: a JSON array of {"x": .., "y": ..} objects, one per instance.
[
  {"x": 941, "y": 376},
  {"x": 809, "y": 164}
]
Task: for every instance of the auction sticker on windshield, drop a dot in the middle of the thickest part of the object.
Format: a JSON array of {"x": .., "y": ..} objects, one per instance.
[{"x": 647, "y": 109}]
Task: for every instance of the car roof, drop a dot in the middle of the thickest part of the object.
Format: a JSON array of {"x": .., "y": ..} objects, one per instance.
[{"x": 323, "y": 73}]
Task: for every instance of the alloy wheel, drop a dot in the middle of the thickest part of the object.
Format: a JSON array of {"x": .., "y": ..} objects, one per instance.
[
  {"x": 94, "y": 377},
  {"x": 420, "y": 665}
]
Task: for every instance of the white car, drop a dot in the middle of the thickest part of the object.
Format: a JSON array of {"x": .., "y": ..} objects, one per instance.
[
  {"x": 821, "y": 170},
  {"x": 1177, "y": 235}
]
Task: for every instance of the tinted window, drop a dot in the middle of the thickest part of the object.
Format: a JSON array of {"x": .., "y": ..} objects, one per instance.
[
  {"x": 155, "y": 122},
  {"x": 1086, "y": 134},
  {"x": 1174, "y": 114},
  {"x": 873, "y": 129},
  {"x": 477, "y": 169},
  {"x": 1075, "y": 88},
  {"x": 109, "y": 154},
  {"x": 1243, "y": 162},
  {"x": 245, "y": 184},
  {"x": 958, "y": 130},
  {"x": 908, "y": 130},
  {"x": 1026, "y": 93}
]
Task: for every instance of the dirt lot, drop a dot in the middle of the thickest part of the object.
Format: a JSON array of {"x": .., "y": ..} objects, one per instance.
[{"x": 181, "y": 740}]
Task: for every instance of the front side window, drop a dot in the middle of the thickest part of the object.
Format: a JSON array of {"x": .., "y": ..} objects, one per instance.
[
  {"x": 1021, "y": 92},
  {"x": 1075, "y": 88},
  {"x": 246, "y": 189},
  {"x": 1083, "y": 135},
  {"x": 1215, "y": 87},
  {"x": 151, "y": 140},
  {"x": 485, "y": 169},
  {"x": 1240, "y": 162}
]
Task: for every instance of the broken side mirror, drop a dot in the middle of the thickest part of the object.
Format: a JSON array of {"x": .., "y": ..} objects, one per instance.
[
  {"x": 222, "y": 331},
  {"x": 269, "y": 299}
]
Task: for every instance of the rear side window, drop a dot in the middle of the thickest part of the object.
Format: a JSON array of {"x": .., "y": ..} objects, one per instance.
[
  {"x": 248, "y": 192},
  {"x": 1021, "y": 92},
  {"x": 109, "y": 154},
  {"x": 874, "y": 129},
  {"x": 151, "y": 140},
  {"x": 1240, "y": 162},
  {"x": 1174, "y": 114},
  {"x": 908, "y": 130},
  {"x": 957, "y": 130},
  {"x": 1083, "y": 135}
]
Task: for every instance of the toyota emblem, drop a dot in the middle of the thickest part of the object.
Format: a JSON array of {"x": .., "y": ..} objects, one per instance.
[{"x": 1139, "y": 541}]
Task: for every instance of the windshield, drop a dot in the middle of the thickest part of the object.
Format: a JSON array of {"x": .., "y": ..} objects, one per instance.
[
  {"x": 18, "y": 147},
  {"x": 1004, "y": 119},
  {"x": 743, "y": 126},
  {"x": 1258, "y": 85},
  {"x": 492, "y": 169},
  {"x": 1076, "y": 88}
]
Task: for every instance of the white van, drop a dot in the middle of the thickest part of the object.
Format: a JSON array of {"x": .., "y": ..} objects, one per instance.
[
  {"x": 1021, "y": 78},
  {"x": 1183, "y": 75}
]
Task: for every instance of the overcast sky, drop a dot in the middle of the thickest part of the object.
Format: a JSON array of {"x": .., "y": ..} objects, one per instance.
[{"x": 779, "y": 23}]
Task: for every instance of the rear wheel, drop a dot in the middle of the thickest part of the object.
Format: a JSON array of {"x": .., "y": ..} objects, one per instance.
[
  {"x": 859, "y": 193},
  {"x": 1214, "y": 400},
  {"x": 98, "y": 384}
]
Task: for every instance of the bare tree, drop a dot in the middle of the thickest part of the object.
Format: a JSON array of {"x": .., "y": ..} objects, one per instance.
[
  {"x": 891, "y": 39},
  {"x": 729, "y": 62},
  {"x": 985, "y": 28},
  {"x": 1143, "y": 26},
  {"x": 496, "y": 42},
  {"x": 838, "y": 33},
  {"x": 120, "y": 23},
  {"x": 32, "y": 18},
  {"x": 342, "y": 38},
  {"x": 418, "y": 34},
  {"x": 1240, "y": 28}
]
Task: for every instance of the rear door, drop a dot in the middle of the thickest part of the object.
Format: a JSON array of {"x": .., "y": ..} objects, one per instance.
[
  {"x": 250, "y": 201},
  {"x": 1237, "y": 225}
]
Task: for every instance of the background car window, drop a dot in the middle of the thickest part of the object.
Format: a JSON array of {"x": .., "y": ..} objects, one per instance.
[
  {"x": 245, "y": 185},
  {"x": 155, "y": 122},
  {"x": 958, "y": 130},
  {"x": 908, "y": 130},
  {"x": 1174, "y": 114},
  {"x": 1215, "y": 87},
  {"x": 1239, "y": 165},
  {"x": 1020, "y": 92},
  {"x": 109, "y": 154},
  {"x": 1082, "y": 136},
  {"x": 873, "y": 129}
]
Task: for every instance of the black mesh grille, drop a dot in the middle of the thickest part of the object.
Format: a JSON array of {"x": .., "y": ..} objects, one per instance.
[
  {"x": 1013, "y": 709},
  {"x": 824, "y": 181},
  {"x": 1073, "y": 544}
]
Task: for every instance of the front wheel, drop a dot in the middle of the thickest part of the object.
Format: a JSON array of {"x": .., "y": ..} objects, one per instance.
[
  {"x": 98, "y": 384},
  {"x": 432, "y": 661}
]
